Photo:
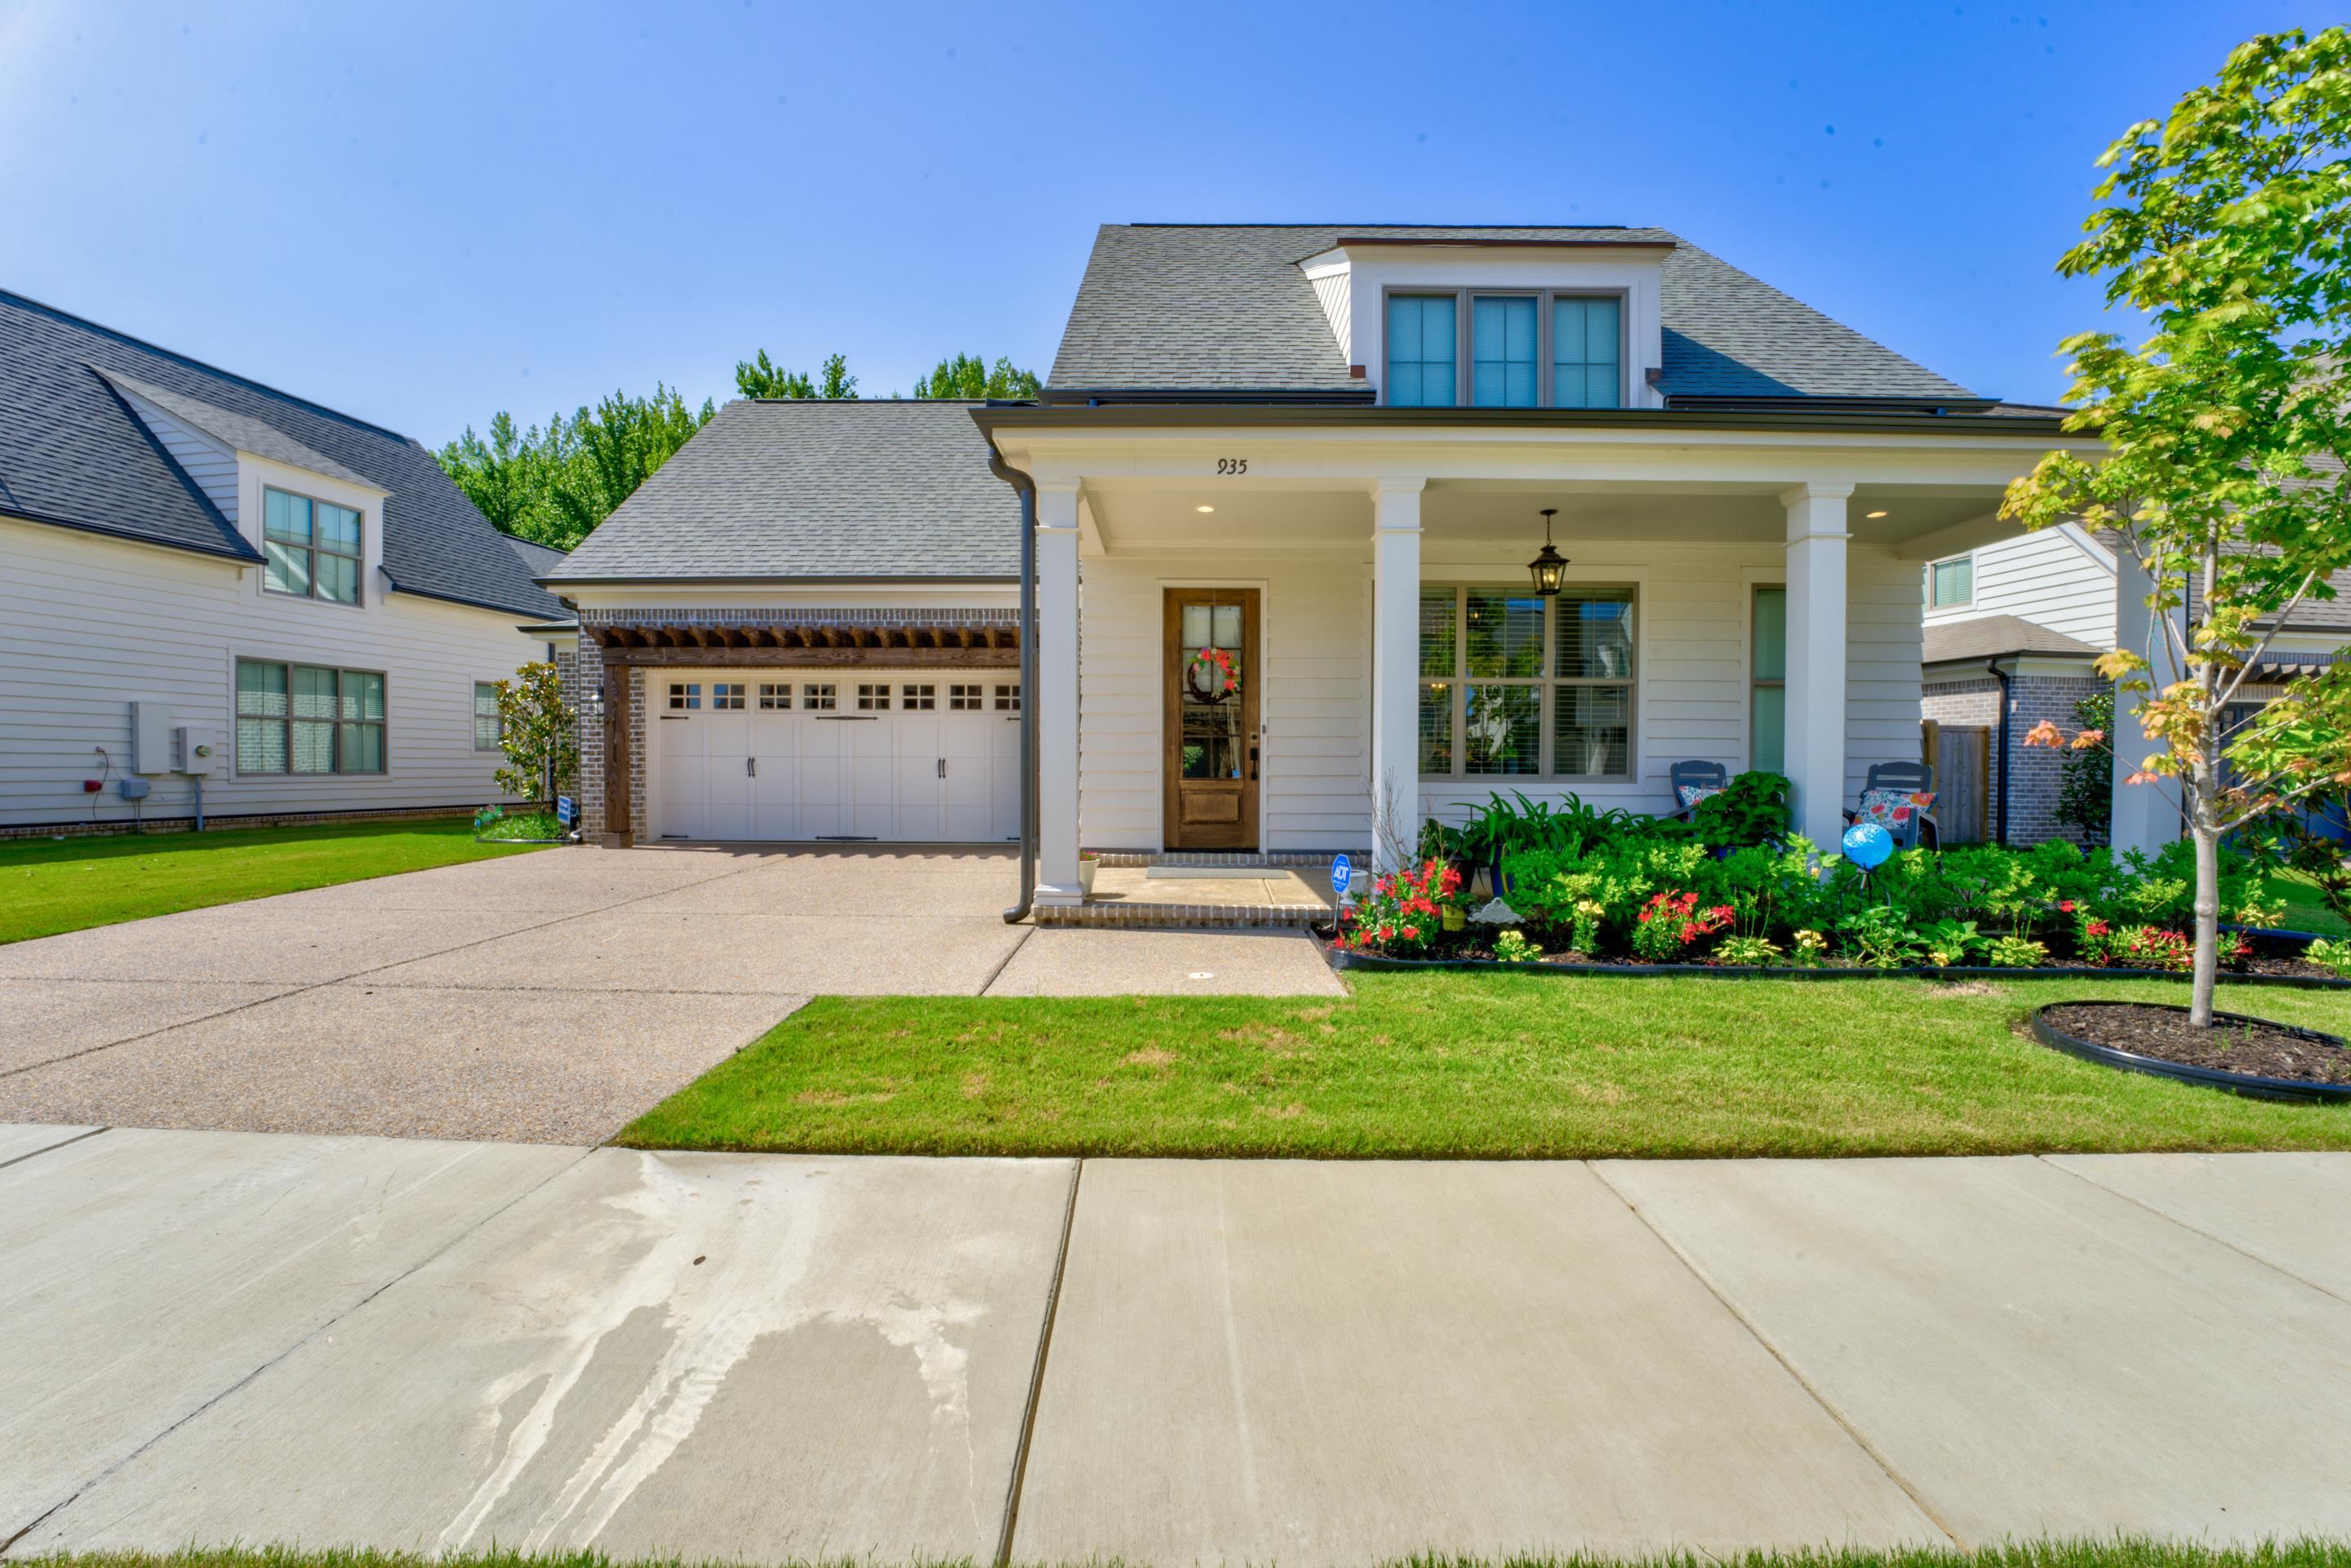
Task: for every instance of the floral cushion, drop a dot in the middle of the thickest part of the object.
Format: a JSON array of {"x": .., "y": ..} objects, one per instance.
[
  {"x": 1894, "y": 809},
  {"x": 1691, "y": 794}
]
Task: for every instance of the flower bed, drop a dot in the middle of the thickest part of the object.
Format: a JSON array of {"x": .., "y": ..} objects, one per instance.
[{"x": 1592, "y": 892}]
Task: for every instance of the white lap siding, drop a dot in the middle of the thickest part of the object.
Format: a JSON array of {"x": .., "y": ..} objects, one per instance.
[
  {"x": 1692, "y": 700},
  {"x": 87, "y": 625}
]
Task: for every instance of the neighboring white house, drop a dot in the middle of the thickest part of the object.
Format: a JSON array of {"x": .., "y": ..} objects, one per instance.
[
  {"x": 222, "y": 595},
  {"x": 1287, "y": 484},
  {"x": 2013, "y": 629}
]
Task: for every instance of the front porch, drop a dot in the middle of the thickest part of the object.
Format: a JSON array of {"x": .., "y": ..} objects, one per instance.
[{"x": 1724, "y": 602}]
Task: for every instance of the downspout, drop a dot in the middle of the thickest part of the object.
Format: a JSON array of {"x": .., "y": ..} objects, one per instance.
[
  {"x": 2007, "y": 705},
  {"x": 1028, "y": 489}
]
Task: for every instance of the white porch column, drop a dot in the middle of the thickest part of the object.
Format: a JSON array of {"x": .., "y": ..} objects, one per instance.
[
  {"x": 1395, "y": 669},
  {"x": 2147, "y": 816},
  {"x": 1055, "y": 700},
  {"x": 1816, "y": 640}
]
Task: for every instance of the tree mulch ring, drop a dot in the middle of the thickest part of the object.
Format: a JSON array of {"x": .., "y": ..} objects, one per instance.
[{"x": 2235, "y": 1044}]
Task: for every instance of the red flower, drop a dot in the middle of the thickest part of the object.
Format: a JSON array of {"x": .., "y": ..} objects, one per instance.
[
  {"x": 2066, "y": 905},
  {"x": 2096, "y": 928},
  {"x": 1412, "y": 933}
]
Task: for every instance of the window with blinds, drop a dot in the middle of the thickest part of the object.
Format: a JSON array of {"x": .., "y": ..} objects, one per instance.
[
  {"x": 1516, "y": 685},
  {"x": 1951, "y": 584}
]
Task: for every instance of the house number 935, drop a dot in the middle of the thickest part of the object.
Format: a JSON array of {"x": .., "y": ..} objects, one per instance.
[{"x": 1230, "y": 467}]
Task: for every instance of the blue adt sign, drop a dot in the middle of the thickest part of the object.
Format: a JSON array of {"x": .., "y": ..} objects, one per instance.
[
  {"x": 1341, "y": 874},
  {"x": 564, "y": 809}
]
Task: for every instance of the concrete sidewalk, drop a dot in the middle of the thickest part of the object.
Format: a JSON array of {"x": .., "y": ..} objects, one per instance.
[{"x": 406, "y": 1343}]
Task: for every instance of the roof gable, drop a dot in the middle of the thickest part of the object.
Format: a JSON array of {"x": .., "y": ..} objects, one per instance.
[{"x": 72, "y": 451}]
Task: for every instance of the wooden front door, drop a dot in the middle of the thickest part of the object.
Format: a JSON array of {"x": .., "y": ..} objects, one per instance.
[{"x": 1212, "y": 677}]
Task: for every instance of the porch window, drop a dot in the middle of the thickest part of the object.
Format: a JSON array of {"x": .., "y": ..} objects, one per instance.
[
  {"x": 1421, "y": 350},
  {"x": 1767, "y": 693},
  {"x": 1516, "y": 686}
]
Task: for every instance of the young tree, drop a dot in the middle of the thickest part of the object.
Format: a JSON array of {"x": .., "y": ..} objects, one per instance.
[
  {"x": 969, "y": 376},
  {"x": 762, "y": 377},
  {"x": 538, "y": 734},
  {"x": 2229, "y": 225},
  {"x": 553, "y": 484}
]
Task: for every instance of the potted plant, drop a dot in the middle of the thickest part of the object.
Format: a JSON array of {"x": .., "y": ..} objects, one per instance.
[{"x": 1089, "y": 861}]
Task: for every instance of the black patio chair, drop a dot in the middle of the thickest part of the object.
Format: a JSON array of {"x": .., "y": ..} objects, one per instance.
[
  {"x": 1911, "y": 778},
  {"x": 1701, "y": 775}
]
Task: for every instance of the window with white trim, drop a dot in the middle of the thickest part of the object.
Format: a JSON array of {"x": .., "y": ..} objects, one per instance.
[
  {"x": 817, "y": 696},
  {"x": 1007, "y": 699},
  {"x": 919, "y": 699},
  {"x": 683, "y": 694},
  {"x": 872, "y": 698},
  {"x": 489, "y": 718},
  {"x": 775, "y": 696},
  {"x": 1951, "y": 584},
  {"x": 728, "y": 693},
  {"x": 311, "y": 548},
  {"x": 308, "y": 719},
  {"x": 964, "y": 699},
  {"x": 1521, "y": 348},
  {"x": 1767, "y": 681},
  {"x": 1516, "y": 685}
]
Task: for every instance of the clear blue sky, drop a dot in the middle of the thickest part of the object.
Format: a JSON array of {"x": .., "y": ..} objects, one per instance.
[{"x": 423, "y": 213}]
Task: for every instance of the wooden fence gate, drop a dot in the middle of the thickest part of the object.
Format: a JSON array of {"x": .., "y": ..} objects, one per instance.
[{"x": 1960, "y": 755}]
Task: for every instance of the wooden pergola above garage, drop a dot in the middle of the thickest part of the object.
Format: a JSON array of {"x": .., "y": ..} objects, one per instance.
[{"x": 977, "y": 644}]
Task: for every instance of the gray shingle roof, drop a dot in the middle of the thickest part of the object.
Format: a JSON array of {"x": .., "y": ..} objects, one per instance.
[
  {"x": 1993, "y": 637},
  {"x": 1226, "y": 308},
  {"x": 73, "y": 453},
  {"x": 236, "y": 430},
  {"x": 801, "y": 489}
]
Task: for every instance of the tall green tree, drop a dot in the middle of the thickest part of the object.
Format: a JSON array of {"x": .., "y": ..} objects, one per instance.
[
  {"x": 2228, "y": 224},
  {"x": 552, "y": 484},
  {"x": 762, "y": 377},
  {"x": 970, "y": 377}
]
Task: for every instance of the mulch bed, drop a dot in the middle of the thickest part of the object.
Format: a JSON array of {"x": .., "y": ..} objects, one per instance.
[{"x": 2233, "y": 1044}]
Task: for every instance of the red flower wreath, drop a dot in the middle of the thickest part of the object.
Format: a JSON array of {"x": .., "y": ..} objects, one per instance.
[{"x": 1212, "y": 675}]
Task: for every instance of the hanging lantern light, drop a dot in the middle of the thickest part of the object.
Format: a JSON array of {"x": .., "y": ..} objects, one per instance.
[{"x": 1549, "y": 567}]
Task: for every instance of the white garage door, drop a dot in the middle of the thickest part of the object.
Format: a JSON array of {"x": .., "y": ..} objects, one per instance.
[{"x": 904, "y": 757}]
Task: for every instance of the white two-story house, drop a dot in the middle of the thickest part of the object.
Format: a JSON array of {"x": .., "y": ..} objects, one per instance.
[
  {"x": 218, "y": 598},
  {"x": 1329, "y": 529}
]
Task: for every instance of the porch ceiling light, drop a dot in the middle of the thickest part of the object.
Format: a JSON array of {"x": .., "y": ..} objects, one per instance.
[
  {"x": 1548, "y": 568},
  {"x": 1873, "y": 514},
  {"x": 1204, "y": 509}
]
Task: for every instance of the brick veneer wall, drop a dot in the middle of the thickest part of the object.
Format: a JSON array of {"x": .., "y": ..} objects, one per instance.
[{"x": 2035, "y": 773}]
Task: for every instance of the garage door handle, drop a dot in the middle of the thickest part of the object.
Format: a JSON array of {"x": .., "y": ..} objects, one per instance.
[
  {"x": 943, "y": 767},
  {"x": 751, "y": 767}
]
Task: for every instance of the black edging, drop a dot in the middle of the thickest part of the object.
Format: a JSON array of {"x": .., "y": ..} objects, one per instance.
[
  {"x": 1345, "y": 960},
  {"x": 2247, "y": 1083}
]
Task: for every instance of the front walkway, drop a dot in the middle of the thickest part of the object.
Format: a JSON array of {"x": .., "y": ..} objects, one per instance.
[
  {"x": 548, "y": 997},
  {"x": 426, "y": 1345}
]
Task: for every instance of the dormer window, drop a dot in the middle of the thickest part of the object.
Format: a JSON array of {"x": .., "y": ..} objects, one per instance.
[
  {"x": 1505, "y": 341},
  {"x": 313, "y": 547}
]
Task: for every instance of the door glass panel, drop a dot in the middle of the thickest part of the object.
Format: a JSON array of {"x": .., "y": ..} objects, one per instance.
[{"x": 1209, "y": 689}]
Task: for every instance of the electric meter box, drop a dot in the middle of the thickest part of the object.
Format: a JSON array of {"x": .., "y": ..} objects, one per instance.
[
  {"x": 195, "y": 750},
  {"x": 151, "y": 737}
]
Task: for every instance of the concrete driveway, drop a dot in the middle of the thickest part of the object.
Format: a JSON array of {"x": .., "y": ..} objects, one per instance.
[
  {"x": 414, "y": 1345},
  {"x": 544, "y": 998}
]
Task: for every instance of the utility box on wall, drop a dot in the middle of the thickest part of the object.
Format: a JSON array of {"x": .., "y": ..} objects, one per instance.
[
  {"x": 151, "y": 737},
  {"x": 195, "y": 750}
]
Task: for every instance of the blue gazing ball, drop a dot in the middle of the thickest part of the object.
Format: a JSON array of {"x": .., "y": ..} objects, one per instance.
[{"x": 1867, "y": 845}]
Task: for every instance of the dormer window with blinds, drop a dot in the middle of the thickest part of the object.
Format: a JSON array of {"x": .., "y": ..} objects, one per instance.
[{"x": 1530, "y": 349}]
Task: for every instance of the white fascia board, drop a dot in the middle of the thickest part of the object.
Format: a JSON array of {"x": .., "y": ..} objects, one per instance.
[{"x": 2081, "y": 539}]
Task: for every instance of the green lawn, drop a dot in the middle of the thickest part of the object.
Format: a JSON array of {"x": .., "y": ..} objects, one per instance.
[
  {"x": 1479, "y": 1065},
  {"x": 48, "y": 885},
  {"x": 2304, "y": 909},
  {"x": 2121, "y": 1552}
]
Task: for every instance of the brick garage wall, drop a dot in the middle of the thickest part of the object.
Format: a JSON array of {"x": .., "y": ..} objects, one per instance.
[{"x": 2034, "y": 772}]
